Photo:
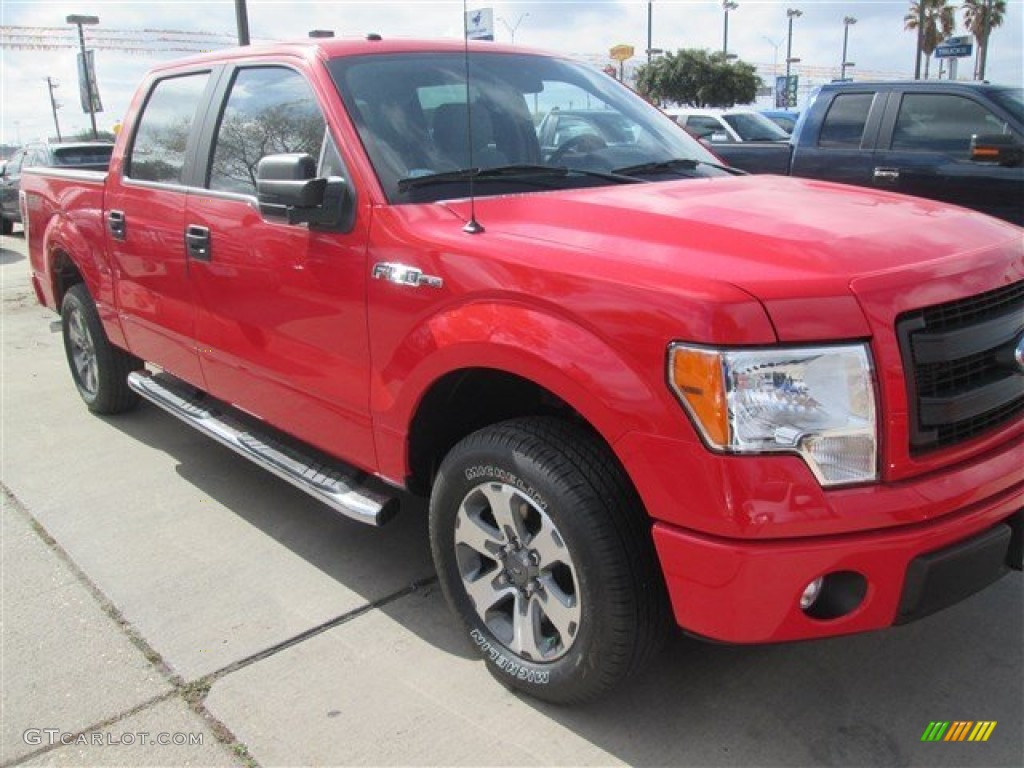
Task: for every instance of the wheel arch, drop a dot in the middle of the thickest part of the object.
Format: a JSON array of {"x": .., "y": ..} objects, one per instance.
[{"x": 538, "y": 365}]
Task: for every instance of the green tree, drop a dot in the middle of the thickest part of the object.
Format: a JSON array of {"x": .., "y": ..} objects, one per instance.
[
  {"x": 939, "y": 23},
  {"x": 981, "y": 17},
  {"x": 698, "y": 78}
]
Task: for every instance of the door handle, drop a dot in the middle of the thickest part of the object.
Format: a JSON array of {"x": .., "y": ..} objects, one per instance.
[
  {"x": 403, "y": 274},
  {"x": 197, "y": 242},
  {"x": 116, "y": 224},
  {"x": 887, "y": 175}
]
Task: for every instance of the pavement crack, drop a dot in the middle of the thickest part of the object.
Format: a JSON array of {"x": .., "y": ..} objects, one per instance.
[{"x": 319, "y": 629}]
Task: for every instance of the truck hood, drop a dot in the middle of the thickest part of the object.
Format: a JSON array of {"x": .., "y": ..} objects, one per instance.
[{"x": 773, "y": 237}]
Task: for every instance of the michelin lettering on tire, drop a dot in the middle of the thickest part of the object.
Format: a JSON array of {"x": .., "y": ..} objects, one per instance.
[
  {"x": 503, "y": 476},
  {"x": 509, "y": 666}
]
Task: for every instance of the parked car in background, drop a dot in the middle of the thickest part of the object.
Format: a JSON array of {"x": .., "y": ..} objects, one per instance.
[
  {"x": 727, "y": 126},
  {"x": 957, "y": 142},
  {"x": 86, "y": 156},
  {"x": 785, "y": 119}
]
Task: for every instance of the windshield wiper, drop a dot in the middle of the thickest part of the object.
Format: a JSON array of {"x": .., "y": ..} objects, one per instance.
[
  {"x": 675, "y": 164},
  {"x": 519, "y": 171}
]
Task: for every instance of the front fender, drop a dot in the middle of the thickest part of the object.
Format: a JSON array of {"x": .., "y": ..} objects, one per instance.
[{"x": 613, "y": 393}]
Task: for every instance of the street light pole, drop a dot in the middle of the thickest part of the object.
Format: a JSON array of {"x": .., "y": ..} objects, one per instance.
[
  {"x": 847, "y": 21},
  {"x": 791, "y": 13},
  {"x": 80, "y": 21},
  {"x": 53, "y": 105},
  {"x": 512, "y": 28},
  {"x": 727, "y": 5}
]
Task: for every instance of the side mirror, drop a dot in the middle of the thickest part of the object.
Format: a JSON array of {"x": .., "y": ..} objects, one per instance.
[
  {"x": 1000, "y": 148},
  {"x": 287, "y": 187}
]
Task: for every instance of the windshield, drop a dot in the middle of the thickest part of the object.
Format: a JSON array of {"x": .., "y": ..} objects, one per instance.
[
  {"x": 529, "y": 113},
  {"x": 1010, "y": 99},
  {"x": 752, "y": 126}
]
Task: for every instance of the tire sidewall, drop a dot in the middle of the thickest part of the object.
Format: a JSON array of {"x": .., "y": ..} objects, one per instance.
[{"x": 472, "y": 465}]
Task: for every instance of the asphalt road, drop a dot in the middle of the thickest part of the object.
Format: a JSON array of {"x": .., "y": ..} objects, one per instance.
[{"x": 155, "y": 583}]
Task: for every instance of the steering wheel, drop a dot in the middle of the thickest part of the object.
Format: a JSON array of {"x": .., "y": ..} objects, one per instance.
[{"x": 585, "y": 142}]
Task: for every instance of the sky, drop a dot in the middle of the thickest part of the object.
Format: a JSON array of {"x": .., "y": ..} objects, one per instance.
[{"x": 878, "y": 43}]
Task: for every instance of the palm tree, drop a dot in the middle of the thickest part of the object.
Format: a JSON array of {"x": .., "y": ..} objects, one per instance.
[
  {"x": 981, "y": 17},
  {"x": 939, "y": 21}
]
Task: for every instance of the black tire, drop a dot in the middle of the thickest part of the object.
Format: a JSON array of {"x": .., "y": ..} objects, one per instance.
[
  {"x": 611, "y": 613},
  {"x": 6, "y": 226},
  {"x": 99, "y": 369}
]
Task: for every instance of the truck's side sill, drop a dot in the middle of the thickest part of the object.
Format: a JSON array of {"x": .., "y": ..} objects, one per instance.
[{"x": 342, "y": 488}]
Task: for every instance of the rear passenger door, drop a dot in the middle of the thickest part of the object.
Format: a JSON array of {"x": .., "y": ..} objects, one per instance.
[
  {"x": 145, "y": 220},
  {"x": 281, "y": 308},
  {"x": 925, "y": 151},
  {"x": 841, "y": 147}
]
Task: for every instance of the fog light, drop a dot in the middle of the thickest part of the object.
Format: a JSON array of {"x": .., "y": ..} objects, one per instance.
[{"x": 811, "y": 592}]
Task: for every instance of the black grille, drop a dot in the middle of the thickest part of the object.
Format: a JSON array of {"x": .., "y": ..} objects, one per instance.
[{"x": 958, "y": 357}]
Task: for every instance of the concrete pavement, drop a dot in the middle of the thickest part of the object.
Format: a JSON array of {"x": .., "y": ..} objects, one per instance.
[{"x": 155, "y": 583}]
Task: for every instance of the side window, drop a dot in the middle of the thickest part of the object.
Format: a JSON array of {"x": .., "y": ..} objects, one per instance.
[
  {"x": 270, "y": 111},
  {"x": 158, "y": 150},
  {"x": 937, "y": 122},
  {"x": 845, "y": 120}
]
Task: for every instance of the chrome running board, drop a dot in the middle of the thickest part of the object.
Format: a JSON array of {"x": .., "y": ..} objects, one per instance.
[{"x": 343, "y": 489}]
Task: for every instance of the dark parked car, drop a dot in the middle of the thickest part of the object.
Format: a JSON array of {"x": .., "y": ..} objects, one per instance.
[
  {"x": 91, "y": 156},
  {"x": 953, "y": 141}
]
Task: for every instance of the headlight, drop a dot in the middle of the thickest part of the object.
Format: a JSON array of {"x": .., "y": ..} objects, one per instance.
[{"x": 818, "y": 402}]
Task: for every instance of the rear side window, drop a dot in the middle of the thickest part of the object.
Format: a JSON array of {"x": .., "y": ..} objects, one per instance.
[
  {"x": 270, "y": 111},
  {"x": 82, "y": 156},
  {"x": 158, "y": 151},
  {"x": 937, "y": 122},
  {"x": 845, "y": 121}
]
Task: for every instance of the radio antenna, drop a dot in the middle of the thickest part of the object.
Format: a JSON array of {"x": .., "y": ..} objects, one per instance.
[{"x": 472, "y": 227}]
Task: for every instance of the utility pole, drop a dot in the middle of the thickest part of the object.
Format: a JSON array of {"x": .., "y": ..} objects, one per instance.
[
  {"x": 791, "y": 13},
  {"x": 79, "y": 21},
  {"x": 242, "y": 22},
  {"x": 513, "y": 27},
  {"x": 650, "y": 27},
  {"x": 53, "y": 105}
]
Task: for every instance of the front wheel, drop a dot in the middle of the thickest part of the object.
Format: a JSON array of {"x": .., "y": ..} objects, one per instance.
[
  {"x": 99, "y": 369},
  {"x": 543, "y": 552}
]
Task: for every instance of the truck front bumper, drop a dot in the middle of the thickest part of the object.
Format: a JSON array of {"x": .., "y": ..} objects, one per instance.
[{"x": 743, "y": 591}]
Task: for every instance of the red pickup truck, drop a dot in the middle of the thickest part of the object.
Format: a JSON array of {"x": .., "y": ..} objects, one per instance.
[{"x": 634, "y": 384}]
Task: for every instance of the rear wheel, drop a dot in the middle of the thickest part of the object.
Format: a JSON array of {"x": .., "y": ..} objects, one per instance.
[
  {"x": 543, "y": 552},
  {"x": 99, "y": 369},
  {"x": 6, "y": 226}
]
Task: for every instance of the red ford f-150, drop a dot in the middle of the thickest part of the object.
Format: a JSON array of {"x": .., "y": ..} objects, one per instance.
[{"x": 634, "y": 384}]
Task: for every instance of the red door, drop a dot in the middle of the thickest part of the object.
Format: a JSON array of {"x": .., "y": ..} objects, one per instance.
[
  {"x": 145, "y": 210},
  {"x": 281, "y": 309}
]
